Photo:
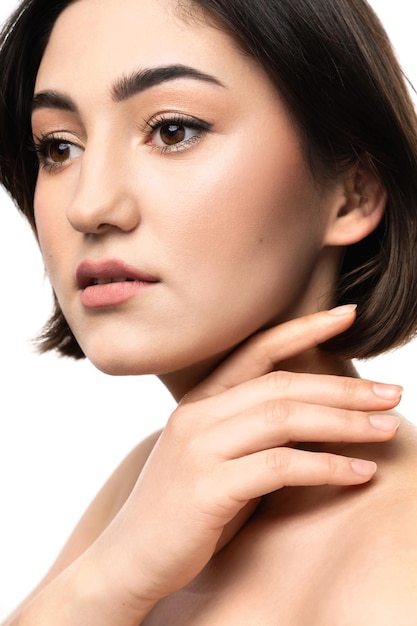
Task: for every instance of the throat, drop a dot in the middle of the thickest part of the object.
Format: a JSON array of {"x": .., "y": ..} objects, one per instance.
[{"x": 316, "y": 361}]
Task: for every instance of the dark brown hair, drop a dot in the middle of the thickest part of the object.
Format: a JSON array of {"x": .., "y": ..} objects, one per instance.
[{"x": 333, "y": 64}]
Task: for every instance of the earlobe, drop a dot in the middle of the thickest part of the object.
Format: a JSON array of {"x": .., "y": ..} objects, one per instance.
[{"x": 358, "y": 210}]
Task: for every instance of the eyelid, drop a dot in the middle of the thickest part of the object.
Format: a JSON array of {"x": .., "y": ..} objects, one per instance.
[
  {"x": 42, "y": 142},
  {"x": 175, "y": 118},
  {"x": 61, "y": 133}
]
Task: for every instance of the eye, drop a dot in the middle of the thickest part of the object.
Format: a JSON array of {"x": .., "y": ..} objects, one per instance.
[
  {"x": 171, "y": 134},
  {"x": 59, "y": 151},
  {"x": 56, "y": 152},
  {"x": 175, "y": 133}
]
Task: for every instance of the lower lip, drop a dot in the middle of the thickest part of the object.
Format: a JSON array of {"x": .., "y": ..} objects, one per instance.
[{"x": 112, "y": 294}]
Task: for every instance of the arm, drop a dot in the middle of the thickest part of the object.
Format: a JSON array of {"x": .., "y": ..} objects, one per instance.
[
  {"x": 98, "y": 515},
  {"x": 226, "y": 445}
]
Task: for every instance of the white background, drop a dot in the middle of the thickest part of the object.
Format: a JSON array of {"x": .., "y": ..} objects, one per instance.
[{"x": 63, "y": 425}]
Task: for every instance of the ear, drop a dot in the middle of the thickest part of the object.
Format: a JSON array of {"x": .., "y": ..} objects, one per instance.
[{"x": 356, "y": 209}]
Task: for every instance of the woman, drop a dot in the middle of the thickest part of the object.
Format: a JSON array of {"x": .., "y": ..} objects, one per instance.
[{"x": 206, "y": 180}]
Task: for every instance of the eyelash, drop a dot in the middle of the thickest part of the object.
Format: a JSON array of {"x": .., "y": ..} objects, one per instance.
[
  {"x": 187, "y": 122},
  {"x": 44, "y": 143},
  {"x": 42, "y": 146}
]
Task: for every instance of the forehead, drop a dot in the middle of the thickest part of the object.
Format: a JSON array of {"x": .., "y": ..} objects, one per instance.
[
  {"x": 102, "y": 37},
  {"x": 96, "y": 44}
]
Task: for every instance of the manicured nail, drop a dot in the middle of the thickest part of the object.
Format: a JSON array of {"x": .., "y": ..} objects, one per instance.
[
  {"x": 340, "y": 311},
  {"x": 363, "y": 468},
  {"x": 388, "y": 392},
  {"x": 388, "y": 423}
]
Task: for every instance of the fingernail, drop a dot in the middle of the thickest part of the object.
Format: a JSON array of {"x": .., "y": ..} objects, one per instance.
[
  {"x": 363, "y": 468},
  {"x": 388, "y": 392},
  {"x": 346, "y": 309},
  {"x": 388, "y": 423}
]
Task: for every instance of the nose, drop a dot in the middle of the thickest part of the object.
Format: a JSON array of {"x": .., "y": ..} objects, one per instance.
[{"x": 103, "y": 198}]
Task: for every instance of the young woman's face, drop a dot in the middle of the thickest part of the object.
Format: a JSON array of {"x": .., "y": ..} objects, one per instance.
[{"x": 169, "y": 164}]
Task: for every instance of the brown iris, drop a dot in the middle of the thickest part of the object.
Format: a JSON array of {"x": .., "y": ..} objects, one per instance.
[
  {"x": 59, "y": 151},
  {"x": 172, "y": 134}
]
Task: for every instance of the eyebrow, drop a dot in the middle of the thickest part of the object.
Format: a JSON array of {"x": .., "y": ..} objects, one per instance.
[
  {"x": 127, "y": 86},
  {"x": 53, "y": 100}
]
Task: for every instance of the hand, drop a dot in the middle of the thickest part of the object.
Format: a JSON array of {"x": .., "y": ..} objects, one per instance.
[{"x": 229, "y": 443}]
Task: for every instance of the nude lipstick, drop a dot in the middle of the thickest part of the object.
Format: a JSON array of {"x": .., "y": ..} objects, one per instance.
[{"x": 110, "y": 282}]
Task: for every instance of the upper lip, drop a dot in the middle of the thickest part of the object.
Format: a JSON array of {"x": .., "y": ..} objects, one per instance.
[{"x": 89, "y": 272}]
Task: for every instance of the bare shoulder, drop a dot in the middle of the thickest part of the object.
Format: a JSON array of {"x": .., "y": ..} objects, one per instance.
[
  {"x": 354, "y": 550},
  {"x": 375, "y": 583},
  {"x": 374, "y": 577}
]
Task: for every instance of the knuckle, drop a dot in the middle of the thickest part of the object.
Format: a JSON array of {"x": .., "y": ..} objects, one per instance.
[
  {"x": 182, "y": 426},
  {"x": 277, "y": 460},
  {"x": 277, "y": 412},
  {"x": 177, "y": 421},
  {"x": 350, "y": 387},
  {"x": 279, "y": 380},
  {"x": 331, "y": 464}
]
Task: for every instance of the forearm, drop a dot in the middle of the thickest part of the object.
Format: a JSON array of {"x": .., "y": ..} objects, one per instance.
[{"x": 77, "y": 597}]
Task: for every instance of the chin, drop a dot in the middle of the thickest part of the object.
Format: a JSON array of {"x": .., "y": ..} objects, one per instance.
[
  {"x": 115, "y": 359},
  {"x": 116, "y": 364},
  {"x": 167, "y": 361},
  {"x": 133, "y": 360}
]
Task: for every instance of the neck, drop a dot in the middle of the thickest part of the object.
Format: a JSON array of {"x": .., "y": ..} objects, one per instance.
[
  {"x": 181, "y": 382},
  {"x": 313, "y": 361},
  {"x": 317, "y": 361},
  {"x": 313, "y": 298}
]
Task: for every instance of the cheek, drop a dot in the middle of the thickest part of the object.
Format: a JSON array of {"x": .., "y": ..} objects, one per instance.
[
  {"x": 50, "y": 227},
  {"x": 241, "y": 241},
  {"x": 237, "y": 205}
]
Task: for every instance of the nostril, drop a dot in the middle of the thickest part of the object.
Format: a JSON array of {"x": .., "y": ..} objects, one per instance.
[
  {"x": 119, "y": 213},
  {"x": 103, "y": 199}
]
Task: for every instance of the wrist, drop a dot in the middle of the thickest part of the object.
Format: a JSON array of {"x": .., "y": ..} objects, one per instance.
[{"x": 97, "y": 596}]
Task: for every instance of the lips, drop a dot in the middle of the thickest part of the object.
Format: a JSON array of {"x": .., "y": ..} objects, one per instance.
[{"x": 110, "y": 282}]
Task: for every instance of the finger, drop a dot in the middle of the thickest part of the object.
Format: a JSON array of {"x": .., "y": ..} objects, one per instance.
[
  {"x": 273, "y": 469},
  {"x": 332, "y": 391},
  {"x": 261, "y": 352},
  {"x": 279, "y": 424}
]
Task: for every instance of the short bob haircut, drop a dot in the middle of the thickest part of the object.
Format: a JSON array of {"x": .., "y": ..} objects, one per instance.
[{"x": 333, "y": 64}]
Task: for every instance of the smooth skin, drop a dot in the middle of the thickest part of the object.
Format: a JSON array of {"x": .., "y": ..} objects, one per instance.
[
  {"x": 259, "y": 502},
  {"x": 145, "y": 537},
  {"x": 229, "y": 220}
]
